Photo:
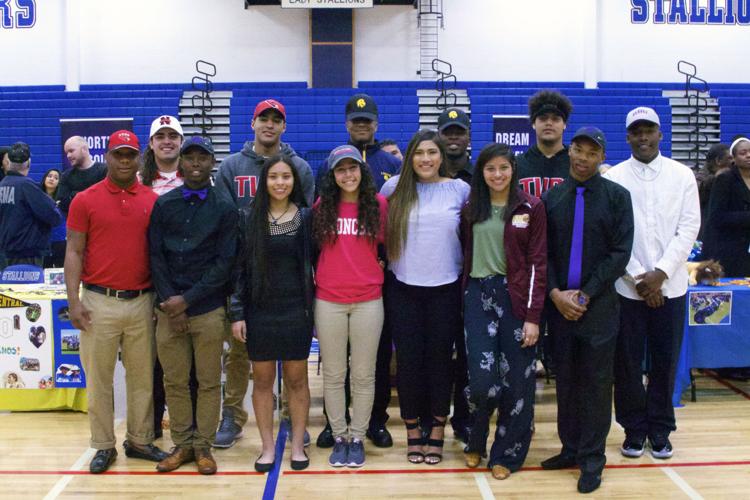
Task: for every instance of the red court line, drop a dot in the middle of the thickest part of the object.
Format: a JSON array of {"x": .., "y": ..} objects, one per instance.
[
  {"x": 536, "y": 468},
  {"x": 727, "y": 384},
  {"x": 358, "y": 471}
]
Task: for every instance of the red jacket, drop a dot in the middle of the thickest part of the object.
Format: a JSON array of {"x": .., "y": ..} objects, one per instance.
[{"x": 525, "y": 242}]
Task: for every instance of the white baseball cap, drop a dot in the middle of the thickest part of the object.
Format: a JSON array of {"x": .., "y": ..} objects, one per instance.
[
  {"x": 165, "y": 121},
  {"x": 642, "y": 114}
]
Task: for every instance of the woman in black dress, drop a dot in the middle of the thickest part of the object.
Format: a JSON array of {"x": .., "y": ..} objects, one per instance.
[{"x": 271, "y": 306}]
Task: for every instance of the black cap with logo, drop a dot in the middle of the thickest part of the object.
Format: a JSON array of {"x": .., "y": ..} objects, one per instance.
[
  {"x": 361, "y": 106},
  {"x": 453, "y": 116}
]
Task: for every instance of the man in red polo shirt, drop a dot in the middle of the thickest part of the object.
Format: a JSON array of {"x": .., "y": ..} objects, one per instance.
[{"x": 107, "y": 252}]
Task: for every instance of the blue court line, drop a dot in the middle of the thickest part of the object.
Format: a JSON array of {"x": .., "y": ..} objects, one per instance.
[{"x": 269, "y": 492}]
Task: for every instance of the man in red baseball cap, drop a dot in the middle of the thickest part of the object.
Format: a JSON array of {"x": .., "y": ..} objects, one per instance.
[{"x": 107, "y": 252}]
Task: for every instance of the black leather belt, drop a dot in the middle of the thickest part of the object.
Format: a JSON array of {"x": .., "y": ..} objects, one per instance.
[{"x": 118, "y": 294}]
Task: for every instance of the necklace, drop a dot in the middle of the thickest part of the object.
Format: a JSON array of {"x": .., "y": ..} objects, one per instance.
[{"x": 275, "y": 220}]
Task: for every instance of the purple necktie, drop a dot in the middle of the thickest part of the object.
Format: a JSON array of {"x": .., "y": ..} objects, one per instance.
[{"x": 576, "y": 243}]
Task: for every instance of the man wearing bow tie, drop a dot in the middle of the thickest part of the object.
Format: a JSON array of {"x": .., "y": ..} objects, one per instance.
[{"x": 192, "y": 246}]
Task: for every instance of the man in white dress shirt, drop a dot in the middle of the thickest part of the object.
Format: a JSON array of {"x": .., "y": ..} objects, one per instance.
[{"x": 652, "y": 292}]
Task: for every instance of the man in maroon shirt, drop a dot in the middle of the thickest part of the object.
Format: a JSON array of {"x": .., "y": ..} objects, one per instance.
[{"x": 107, "y": 251}]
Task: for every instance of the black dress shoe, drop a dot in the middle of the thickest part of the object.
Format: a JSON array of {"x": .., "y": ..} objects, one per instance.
[
  {"x": 589, "y": 481},
  {"x": 325, "y": 438},
  {"x": 145, "y": 452},
  {"x": 102, "y": 460},
  {"x": 301, "y": 464},
  {"x": 559, "y": 462},
  {"x": 380, "y": 437}
]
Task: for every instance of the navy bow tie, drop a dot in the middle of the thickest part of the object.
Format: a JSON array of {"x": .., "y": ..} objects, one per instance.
[{"x": 200, "y": 193}]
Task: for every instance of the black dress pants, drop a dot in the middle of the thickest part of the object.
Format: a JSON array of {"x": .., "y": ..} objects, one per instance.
[{"x": 656, "y": 333}]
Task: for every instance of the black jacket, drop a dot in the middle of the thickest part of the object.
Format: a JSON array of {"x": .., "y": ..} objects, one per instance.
[
  {"x": 244, "y": 275},
  {"x": 727, "y": 232}
]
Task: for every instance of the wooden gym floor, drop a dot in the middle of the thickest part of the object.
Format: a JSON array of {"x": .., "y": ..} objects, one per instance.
[{"x": 45, "y": 455}]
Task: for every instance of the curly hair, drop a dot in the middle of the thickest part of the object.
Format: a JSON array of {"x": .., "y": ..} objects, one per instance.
[
  {"x": 325, "y": 215},
  {"x": 549, "y": 101}
]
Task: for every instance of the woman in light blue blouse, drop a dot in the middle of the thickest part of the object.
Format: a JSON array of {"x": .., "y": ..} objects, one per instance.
[{"x": 422, "y": 287}]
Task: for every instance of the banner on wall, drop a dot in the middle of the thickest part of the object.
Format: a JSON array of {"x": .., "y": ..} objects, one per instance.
[
  {"x": 515, "y": 131},
  {"x": 95, "y": 131}
]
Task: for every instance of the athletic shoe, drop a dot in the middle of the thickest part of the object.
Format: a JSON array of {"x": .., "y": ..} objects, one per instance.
[
  {"x": 305, "y": 439},
  {"x": 660, "y": 447},
  {"x": 356, "y": 456},
  {"x": 229, "y": 432},
  {"x": 632, "y": 447},
  {"x": 339, "y": 455}
]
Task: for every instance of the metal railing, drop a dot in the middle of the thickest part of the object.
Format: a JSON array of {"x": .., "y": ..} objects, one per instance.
[
  {"x": 445, "y": 84},
  {"x": 202, "y": 84},
  {"x": 694, "y": 87}
]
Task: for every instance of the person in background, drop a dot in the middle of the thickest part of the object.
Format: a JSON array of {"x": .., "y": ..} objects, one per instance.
[
  {"x": 27, "y": 214},
  {"x": 349, "y": 222},
  {"x": 718, "y": 160},
  {"x": 505, "y": 276},
  {"x": 161, "y": 160},
  {"x": 56, "y": 257},
  {"x": 454, "y": 128},
  {"x": 423, "y": 289},
  {"x": 391, "y": 146},
  {"x": 271, "y": 308},
  {"x": 84, "y": 172}
]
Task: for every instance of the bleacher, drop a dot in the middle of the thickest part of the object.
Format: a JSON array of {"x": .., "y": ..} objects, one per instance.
[{"x": 316, "y": 116}]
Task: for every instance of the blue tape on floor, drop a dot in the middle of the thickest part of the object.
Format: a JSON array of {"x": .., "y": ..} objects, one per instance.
[{"x": 273, "y": 477}]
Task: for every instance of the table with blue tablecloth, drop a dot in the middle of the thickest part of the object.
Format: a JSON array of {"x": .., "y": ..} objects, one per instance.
[{"x": 717, "y": 330}]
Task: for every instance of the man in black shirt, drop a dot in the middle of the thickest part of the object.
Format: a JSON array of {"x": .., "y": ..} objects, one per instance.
[
  {"x": 84, "y": 172},
  {"x": 454, "y": 128},
  {"x": 192, "y": 239},
  {"x": 546, "y": 163},
  {"x": 590, "y": 237}
]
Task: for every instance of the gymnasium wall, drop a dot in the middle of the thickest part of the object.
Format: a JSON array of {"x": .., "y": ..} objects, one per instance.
[{"x": 147, "y": 41}]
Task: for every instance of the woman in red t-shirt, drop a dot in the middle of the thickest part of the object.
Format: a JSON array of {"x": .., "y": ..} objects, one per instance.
[{"x": 349, "y": 222}]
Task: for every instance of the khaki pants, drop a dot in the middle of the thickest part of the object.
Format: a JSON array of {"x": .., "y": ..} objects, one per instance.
[
  {"x": 126, "y": 325},
  {"x": 237, "y": 367},
  {"x": 205, "y": 338},
  {"x": 356, "y": 325}
]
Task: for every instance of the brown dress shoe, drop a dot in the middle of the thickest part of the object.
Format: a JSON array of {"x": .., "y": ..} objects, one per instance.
[
  {"x": 500, "y": 472},
  {"x": 205, "y": 461},
  {"x": 177, "y": 457},
  {"x": 472, "y": 459}
]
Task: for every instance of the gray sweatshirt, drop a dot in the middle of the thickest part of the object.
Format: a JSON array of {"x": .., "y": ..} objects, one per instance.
[{"x": 239, "y": 173}]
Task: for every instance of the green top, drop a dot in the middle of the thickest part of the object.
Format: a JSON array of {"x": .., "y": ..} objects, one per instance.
[{"x": 489, "y": 248}]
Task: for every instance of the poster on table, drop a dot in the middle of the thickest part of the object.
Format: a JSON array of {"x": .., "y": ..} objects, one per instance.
[
  {"x": 515, "y": 131},
  {"x": 95, "y": 131},
  {"x": 39, "y": 348},
  {"x": 710, "y": 308}
]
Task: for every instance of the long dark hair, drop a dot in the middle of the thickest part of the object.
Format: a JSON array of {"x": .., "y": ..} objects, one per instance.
[
  {"x": 44, "y": 178},
  {"x": 257, "y": 230},
  {"x": 326, "y": 214},
  {"x": 480, "y": 205},
  {"x": 150, "y": 170},
  {"x": 404, "y": 197}
]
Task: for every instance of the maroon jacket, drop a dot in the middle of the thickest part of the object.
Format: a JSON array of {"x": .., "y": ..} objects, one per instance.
[{"x": 525, "y": 242}]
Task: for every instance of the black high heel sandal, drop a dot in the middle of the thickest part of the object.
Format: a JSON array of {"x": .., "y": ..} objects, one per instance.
[
  {"x": 433, "y": 457},
  {"x": 415, "y": 457}
]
